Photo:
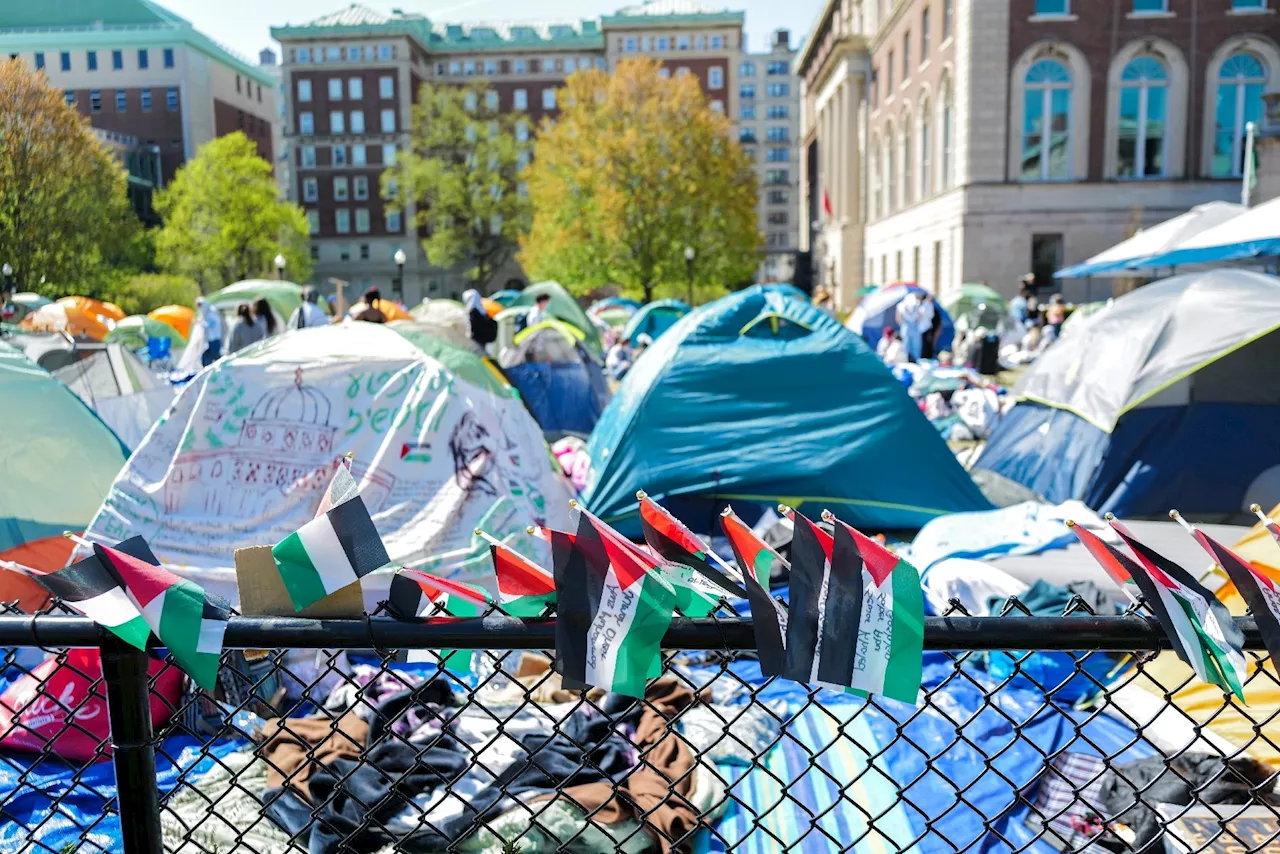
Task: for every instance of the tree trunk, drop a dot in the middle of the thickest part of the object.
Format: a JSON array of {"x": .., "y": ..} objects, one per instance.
[{"x": 648, "y": 292}]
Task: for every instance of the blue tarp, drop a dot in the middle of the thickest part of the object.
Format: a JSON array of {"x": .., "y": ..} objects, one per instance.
[
  {"x": 1212, "y": 254},
  {"x": 563, "y": 396},
  {"x": 879, "y": 309},
  {"x": 655, "y": 319},
  {"x": 757, "y": 397}
]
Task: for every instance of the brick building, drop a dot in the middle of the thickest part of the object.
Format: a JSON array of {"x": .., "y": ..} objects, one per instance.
[
  {"x": 143, "y": 74},
  {"x": 984, "y": 140}
]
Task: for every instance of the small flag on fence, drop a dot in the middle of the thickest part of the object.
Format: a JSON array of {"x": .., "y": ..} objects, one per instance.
[
  {"x": 1271, "y": 524},
  {"x": 524, "y": 588},
  {"x": 820, "y": 605},
  {"x": 1261, "y": 592},
  {"x": 1199, "y": 626},
  {"x": 333, "y": 550},
  {"x": 187, "y": 621},
  {"x": 342, "y": 488},
  {"x": 768, "y": 616},
  {"x": 611, "y": 611},
  {"x": 669, "y": 538},
  {"x": 415, "y": 594},
  {"x": 1116, "y": 564}
]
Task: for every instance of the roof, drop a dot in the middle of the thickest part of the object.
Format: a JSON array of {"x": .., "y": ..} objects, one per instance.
[
  {"x": 506, "y": 35},
  {"x": 670, "y": 13},
  {"x": 354, "y": 15},
  {"x": 107, "y": 24}
]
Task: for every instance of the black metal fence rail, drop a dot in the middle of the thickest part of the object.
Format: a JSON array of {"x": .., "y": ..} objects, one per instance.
[{"x": 1043, "y": 813}]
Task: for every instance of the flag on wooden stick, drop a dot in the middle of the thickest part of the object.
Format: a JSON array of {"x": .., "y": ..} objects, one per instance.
[
  {"x": 524, "y": 588},
  {"x": 1270, "y": 524}
]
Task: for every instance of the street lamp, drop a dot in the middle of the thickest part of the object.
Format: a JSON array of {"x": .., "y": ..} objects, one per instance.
[
  {"x": 280, "y": 267},
  {"x": 400, "y": 258},
  {"x": 688, "y": 269},
  {"x": 8, "y": 271}
]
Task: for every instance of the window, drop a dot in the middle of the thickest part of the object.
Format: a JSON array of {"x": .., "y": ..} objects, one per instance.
[
  {"x": 362, "y": 227},
  {"x": 491, "y": 100},
  {"x": 925, "y": 35},
  {"x": 1144, "y": 94},
  {"x": 948, "y": 141},
  {"x": 778, "y": 134},
  {"x": 388, "y": 121},
  {"x": 746, "y": 134},
  {"x": 355, "y": 88},
  {"x": 64, "y": 60},
  {"x": 304, "y": 90},
  {"x": 144, "y": 100},
  {"x": 747, "y": 90},
  {"x": 304, "y": 55},
  {"x": 337, "y": 122},
  {"x": 778, "y": 155},
  {"x": 313, "y": 221},
  {"x": 777, "y": 67},
  {"x": 168, "y": 57},
  {"x": 664, "y": 72},
  {"x": 386, "y": 87},
  {"x": 490, "y": 68},
  {"x": 122, "y": 100},
  {"x": 357, "y": 121},
  {"x": 522, "y": 159},
  {"x": 171, "y": 99},
  {"x": 715, "y": 77},
  {"x": 392, "y": 189},
  {"x": 310, "y": 189},
  {"x": 682, "y": 43},
  {"x": 117, "y": 60},
  {"x": 359, "y": 157},
  {"x": 70, "y": 96},
  {"x": 455, "y": 68},
  {"x": 717, "y": 106},
  {"x": 1248, "y": 5},
  {"x": 344, "y": 250},
  {"x": 340, "y": 189},
  {"x": 388, "y": 154},
  {"x": 335, "y": 89},
  {"x": 338, "y": 154},
  {"x": 1046, "y": 122},
  {"x": 1046, "y": 257},
  {"x": 779, "y": 90},
  {"x": 342, "y": 221},
  {"x": 888, "y": 69},
  {"x": 238, "y": 87},
  {"x": 926, "y": 152},
  {"x": 308, "y": 157},
  {"x": 1052, "y": 7},
  {"x": 469, "y": 102},
  {"x": 898, "y": 266},
  {"x": 393, "y": 222},
  {"x": 890, "y": 173},
  {"x": 1141, "y": 6},
  {"x": 144, "y": 60},
  {"x": 519, "y": 66},
  {"x": 661, "y": 43},
  {"x": 492, "y": 130},
  {"x": 779, "y": 197},
  {"x": 747, "y": 111},
  {"x": 682, "y": 72},
  {"x": 747, "y": 69},
  {"x": 778, "y": 111},
  {"x": 908, "y": 158},
  {"x": 906, "y": 54},
  {"x": 569, "y": 65},
  {"x": 333, "y": 54},
  {"x": 750, "y": 152},
  {"x": 91, "y": 59},
  {"x": 875, "y": 177},
  {"x": 629, "y": 46},
  {"x": 95, "y": 100},
  {"x": 520, "y": 99},
  {"x": 442, "y": 68},
  {"x": 548, "y": 99},
  {"x": 386, "y": 52},
  {"x": 777, "y": 218},
  {"x": 1241, "y": 81},
  {"x": 469, "y": 68},
  {"x": 522, "y": 131},
  {"x": 717, "y": 42}
]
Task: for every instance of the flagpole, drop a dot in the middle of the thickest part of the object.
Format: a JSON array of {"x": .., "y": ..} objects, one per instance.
[
  {"x": 1246, "y": 176},
  {"x": 1256, "y": 509},
  {"x": 728, "y": 570},
  {"x": 1190, "y": 529}
]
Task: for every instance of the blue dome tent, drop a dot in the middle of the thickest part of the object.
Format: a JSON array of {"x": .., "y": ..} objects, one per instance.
[
  {"x": 757, "y": 397},
  {"x": 1169, "y": 397},
  {"x": 654, "y": 319},
  {"x": 878, "y": 309},
  {"x": 559, "y": 380}
]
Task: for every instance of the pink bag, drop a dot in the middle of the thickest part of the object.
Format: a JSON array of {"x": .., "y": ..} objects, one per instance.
[{"x": 53, "y": 708}]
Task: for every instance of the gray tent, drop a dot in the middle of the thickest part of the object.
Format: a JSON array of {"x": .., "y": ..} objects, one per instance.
[{"x": 119, "y": 387}]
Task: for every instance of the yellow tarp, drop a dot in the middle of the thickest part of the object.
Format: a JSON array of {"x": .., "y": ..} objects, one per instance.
[{"x": 1255, "y": 727}]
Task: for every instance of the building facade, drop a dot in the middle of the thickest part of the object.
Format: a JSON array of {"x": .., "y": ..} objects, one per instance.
[
  {"x": 136, "y": 70},
  {"x": 1001, "y": 138},
  {"x": 769, "y": 129}
]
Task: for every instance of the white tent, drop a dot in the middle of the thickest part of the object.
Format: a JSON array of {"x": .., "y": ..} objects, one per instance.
[
  {"x": 1254, "y": 233},
  {"x": 1121, "y": 259},
  {"x": 119, "y": 387}
]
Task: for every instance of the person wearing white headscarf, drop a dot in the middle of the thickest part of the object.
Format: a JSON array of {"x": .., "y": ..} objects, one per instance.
[
  {"x": 211, "y": 325},
  {"x": 484, "y": 329}
]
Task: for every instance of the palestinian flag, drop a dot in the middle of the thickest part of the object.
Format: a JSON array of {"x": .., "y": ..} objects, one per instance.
[
  {"x": 1261, "y": 593},
  {"x": 342, "y": 488},
  {"x": 1270, "y": 524},
  {"x": 1199, "y": 626},
  {"x": 669, "y": 538},
  {"x": 612, "y": 612},
  {"x": 415, "y": 594},
  {"x": 768, "y": 616},
  {"x": 187, "y": 621},
  {"x": 524, "y": 588},
  {"x": 820, "y": 606},
  {"x": 1116, "y": 564},
  {"x": 90, "y": 587},
  {"x": 335, "y": 549}
]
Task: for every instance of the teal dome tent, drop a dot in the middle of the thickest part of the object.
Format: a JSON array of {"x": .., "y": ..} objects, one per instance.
[{"x": 760, "y": 398}]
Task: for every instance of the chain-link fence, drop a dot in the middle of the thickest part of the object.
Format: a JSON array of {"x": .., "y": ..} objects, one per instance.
[{"x": 1073, "y": 733}]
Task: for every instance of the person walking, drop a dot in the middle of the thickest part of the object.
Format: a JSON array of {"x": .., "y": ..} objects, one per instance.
[
  {"x": 308, "y": 313},
  {"x": 912, "y": 324},
  {"x": 211, "y": 325},
  {"x": 245, "y": 329}
]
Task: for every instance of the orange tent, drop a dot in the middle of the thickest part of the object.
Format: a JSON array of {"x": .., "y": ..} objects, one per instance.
[
  {"x": 177, "y": 316},
  {"x": 46, "y": 555},
  {"x": 89, "y": 305},
  {"x": 491, "y": 307},
  {"x": 70, "y": 318}
]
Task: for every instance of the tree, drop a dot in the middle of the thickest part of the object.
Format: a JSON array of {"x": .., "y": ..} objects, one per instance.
[
  {"x": 636, "y": 168},
  {"x": 462, "y": 172},
  {"x": 224, "y": 220},
  {"x": 64, "y": 208},
  {"x": 145, "y": 292}
]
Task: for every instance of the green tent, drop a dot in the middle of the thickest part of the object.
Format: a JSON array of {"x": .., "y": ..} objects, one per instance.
[
  {"x": 284, "y": 297},
  {"x": 963, "y": 304},
  {"x": 134, "y": 331},
  {"x": 564, "y": 307}
]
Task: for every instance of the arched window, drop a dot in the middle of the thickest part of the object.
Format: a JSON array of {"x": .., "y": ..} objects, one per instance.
[
  {"x": 1144, "y": 115},
  {"x": 1046, "y": 122},
  {"x": 908, "y": 159},
  {"x": 875, "y": 178},
  {"x": 926, "y": 152},
  {"x": 946, "y": 119},
  {"x": 890, "y": 172},
  {"x": 1241, "y": 81}
]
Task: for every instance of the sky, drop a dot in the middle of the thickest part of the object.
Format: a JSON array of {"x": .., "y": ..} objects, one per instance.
[{"x": 244, "y": 25}]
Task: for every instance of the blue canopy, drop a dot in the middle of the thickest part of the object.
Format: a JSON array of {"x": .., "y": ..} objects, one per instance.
[
  {"x": 655, "y": 318},
  {"x": 878, "y": 309},
  {"x": 757, "y": 397}
]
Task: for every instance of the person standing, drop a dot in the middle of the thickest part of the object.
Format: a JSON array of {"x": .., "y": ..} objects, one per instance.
[
  {"x": 245, "y": 329},
  {"x": 1056, "y": 314},
  {"x": 308, "y": 313},
  {"x": 371, "y": 313},
  {"x": 211, "y": 325},
  {"x": 264, "y": 318},
  {"x": 911, "y": 324},
  {"x": 538, "y": 314}
]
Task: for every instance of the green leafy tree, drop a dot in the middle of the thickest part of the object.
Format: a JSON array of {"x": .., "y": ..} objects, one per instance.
[
  {"x": 64, "y": 210},
  {"x": 636, "y": 168},
  {"x": 224, "y": 219},
  {"x": 462, "y": 171},
  {"x": 145, "y": 292}
]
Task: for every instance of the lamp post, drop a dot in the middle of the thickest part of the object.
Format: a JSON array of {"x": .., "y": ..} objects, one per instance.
[
  {"x": 688, "y": 269},
  {"x": 400, "y": 258},
  {"x": 8, "y": 273},
  {"x": 280, "y": 268}
]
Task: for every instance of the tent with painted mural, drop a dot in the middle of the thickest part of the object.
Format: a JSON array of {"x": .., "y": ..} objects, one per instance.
[
  {"x": 58, "y": 460},
  {"x": 760, "y": 398},
  {"x": 1169, "y": 397},
  {"x": 442, "y": 446}
]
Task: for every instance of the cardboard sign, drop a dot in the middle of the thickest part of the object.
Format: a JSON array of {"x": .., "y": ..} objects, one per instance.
[
  {"x": 262, "y": 592},
  {"x": 1221, "y": 828}
]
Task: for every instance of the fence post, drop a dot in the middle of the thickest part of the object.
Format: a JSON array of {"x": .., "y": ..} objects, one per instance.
[{"x": 134, "y": 755}]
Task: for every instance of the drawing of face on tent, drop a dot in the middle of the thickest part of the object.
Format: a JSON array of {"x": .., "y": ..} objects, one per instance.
[{"x": 441, "y": 446}]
